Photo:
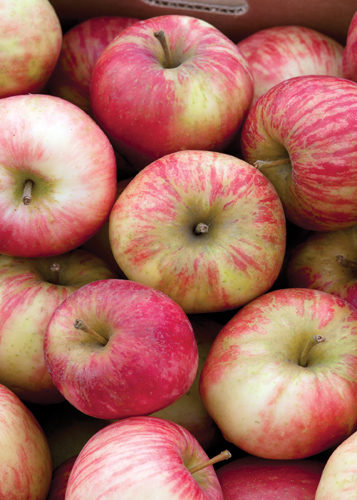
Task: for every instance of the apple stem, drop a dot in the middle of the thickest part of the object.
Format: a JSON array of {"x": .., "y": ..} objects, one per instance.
[
  {"x": 80, "y": 325},
  {"x": 224, "y": 455},
  {"x": 27, "y": 192},
  {"x": 316, "y": 339},
  {"x": 55, "y": 269},
  {"x": 201, "y": 228},
  {"x": 160, "y": 35},
  {"x": 351, "y": 264},
  {"x": 259, "y": 164}
]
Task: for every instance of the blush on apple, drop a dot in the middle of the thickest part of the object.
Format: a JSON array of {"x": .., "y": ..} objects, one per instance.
[
  {"x": 280, "y": 379},
  {"x": 350, "y": 51}
]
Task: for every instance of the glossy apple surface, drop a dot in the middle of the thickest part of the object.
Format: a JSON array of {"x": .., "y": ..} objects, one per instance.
[
  {"x": 30, "y": 291},
  {"x": 31, "y": 38},
  {"x": 206, "y": 228},
  {"x": 81, "y": 47},
  {"x": 327, "y": 262},
  {"x": 253, "y": 478},
  {"x": 280, "y": 379},
  {"x": 276, "y": 54},
  {"x": 339, "y": 477},
  {"x": 148, "y": 357},
  {"x": 142, "y": 457},
  {"x": 350, "y": 51},
  {"x": 151, "y": 105},
  {"x": 52, "y": 147},
  {"x": 301, "y": 135},
  {"x": 26, "y": 466}
]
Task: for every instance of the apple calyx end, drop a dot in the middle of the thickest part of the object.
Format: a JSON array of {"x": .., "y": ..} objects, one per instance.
[
  {"x": 27, "y": 192},
  {"x": 79, "y": 324},
  {"x": 224, "y": 455}
]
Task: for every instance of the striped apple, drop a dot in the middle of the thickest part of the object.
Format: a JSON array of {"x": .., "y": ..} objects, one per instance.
[
  {"x": 144, "y": 458},
  {"x": 280, "y": 379},
  {"x": 206, "y": 228},
  {"x": 350, "y": 51},
  {"x": 281, "y": 52},
  {"x": 81, "y": 47},
  {"x": 302, "y": 135}
]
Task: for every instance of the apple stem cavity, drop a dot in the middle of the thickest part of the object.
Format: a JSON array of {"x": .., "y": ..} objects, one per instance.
[
  {"x": 27, "y": 192},
  {"x": 55, "y": 269},
  {"x": 316, "y": 339},
  {"x": 350, "y": 264},
  {"x": 80, "y": 325},
  {"x": 201, "y": 228},
  {"x": 224, "y": 455},
  {"x": 259, "y": 164},
  {"x": 160, "y": 35}
]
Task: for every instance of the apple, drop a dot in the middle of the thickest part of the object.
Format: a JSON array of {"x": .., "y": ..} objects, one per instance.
[
  {"x": 57, "y": 176},
  {"x": 60, "y": 479},
  {"x": 26, "y": 466},
  {"x": 205, "y": 228},
  {"x": 116, "y": 348},
  {"x": 143, "y": 457},
  {"x": 326, "y": 261},
  {"x": 253, "y": 478},
  {"x": 30, "y": 291},
  {"x": 169, "y": 83},
  {"x": 189, "y": 411},
  {"x": 31, "y": 39},
  {"x": 99, "y": 243},
  {"x": 280, "y": 380},
  {"x": 339, "y": 476},
  {"x": 81, "y": 47},
  {"x": 281, "y": 52},
  {"x": 301, "y": 135},
  {"x": 349, "y": 61}
]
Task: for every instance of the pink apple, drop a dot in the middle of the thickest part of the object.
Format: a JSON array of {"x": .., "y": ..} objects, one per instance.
[
  {"x": 189, "y": 410},
  {"x": 302, "y": 135},
  {"x": 326, "y": 261},
  {"x": 57, "y": 176},
  {"x": 189, "y": 91},
  {"x": 81, "y": 47},
  {"x": 339, "y": 477},
  {"x": 350, "y": 51},
  {"x": 253, "y": 478},
  {"x": 26, "y": 466},
  {"x": 280, "y": 379},
  {"x": 30, "y": 291},
  {"x": 143, "y": 458},
  {"x": 116, "y": 348},
  {"x": 281, "y": 52},
  {"x": 60, "y": 479},
  {"x": 31, "y": 38},
  {"x": 204, "y": 227}
]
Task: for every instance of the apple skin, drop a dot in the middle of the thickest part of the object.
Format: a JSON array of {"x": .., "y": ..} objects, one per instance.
[
  {"x": 150, "y": 358},
  {"x": 282, "y": 52},
  {"x": 60, "y": 479},
  {"x": 72, "y": 165},
  {"x": 31, "y": 39},
  {"x": 152, "y": 230},
  {"x": 81, "y": 47},
  {"x": 349, "y": 60},
  {"x": 150, "y": 110},
  {"x": 339, "y": 477},
  {"x": 29, "y": 294},
  {"x": 270, "y": 391},
  {"x": 314, "y": 263},
  {"x": 316, "y": 170},
  {"x": 26, "y": 466},
  {"x": 142, "y": 457},
  {"x": 253, "y": 478},
  {"x": 189, "y": 411}
]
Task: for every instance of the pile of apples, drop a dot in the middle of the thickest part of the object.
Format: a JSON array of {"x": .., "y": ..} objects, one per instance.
[{"x": 178, "y": 234}]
